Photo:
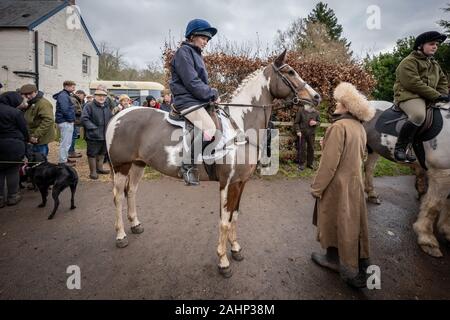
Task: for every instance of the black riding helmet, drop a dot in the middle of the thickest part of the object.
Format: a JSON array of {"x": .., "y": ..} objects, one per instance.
[{"x": 428, "y": 36}]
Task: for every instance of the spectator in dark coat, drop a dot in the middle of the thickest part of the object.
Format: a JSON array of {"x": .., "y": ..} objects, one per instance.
[
  {"x": 65, "y": 118},
  {"x": 78, "y": 102},
  {"x": 167, "y": 101},
  {"x": 95, "y": 118},
  {"x": 306, "y": 122},
  {"x": 13, "y": 139}
]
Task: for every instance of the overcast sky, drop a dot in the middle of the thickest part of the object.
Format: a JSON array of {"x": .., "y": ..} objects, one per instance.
[{"x": 140, "y": 27}]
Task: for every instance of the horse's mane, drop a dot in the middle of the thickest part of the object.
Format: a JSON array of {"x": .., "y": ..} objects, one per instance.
[{"x": 246, "y": 80}]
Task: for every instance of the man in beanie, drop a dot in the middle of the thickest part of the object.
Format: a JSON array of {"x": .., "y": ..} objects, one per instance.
[
  {"x": 65, "y": 118},
  {"x": 95, "y": 118},
  {"x": 78, "y": 102},
  {"x": 340, "y": 213},
  {"x": 39, "y": 117}
]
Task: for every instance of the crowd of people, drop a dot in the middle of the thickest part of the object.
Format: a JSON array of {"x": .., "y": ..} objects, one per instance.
[{"x": 28, "y": 124}]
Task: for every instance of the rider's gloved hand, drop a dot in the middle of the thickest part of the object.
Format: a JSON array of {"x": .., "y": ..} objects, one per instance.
[{"x": 443, "y": 98}]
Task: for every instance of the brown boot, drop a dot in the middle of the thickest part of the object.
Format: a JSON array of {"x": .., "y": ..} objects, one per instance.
[{"x": 100, "y": 169}]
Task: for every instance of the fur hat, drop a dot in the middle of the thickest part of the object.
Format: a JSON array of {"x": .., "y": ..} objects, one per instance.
[
  {"x": 123, "y": 97},
  {"x": 354, "y": 101}
]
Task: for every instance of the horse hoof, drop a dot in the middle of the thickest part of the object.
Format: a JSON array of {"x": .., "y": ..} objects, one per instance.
[
  {"x": 225, "y": 272},
  {"x": 73, "y": 207},
  {"x": 122, "y": 243},
  {"x": 374, "y": 200},
  {"x": 137, "y": 229},
  {"x": 236, "y": 255},
  {"x": 432, "y": 251}
]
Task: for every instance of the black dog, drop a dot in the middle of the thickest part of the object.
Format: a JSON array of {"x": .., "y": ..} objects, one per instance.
[
  {"x": 59, "y": 176},
  {"x": 34, "y": 159}
]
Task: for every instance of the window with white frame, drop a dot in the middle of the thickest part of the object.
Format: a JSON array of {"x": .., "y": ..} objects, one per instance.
[
  {"x": 85, "y": 65},
  {"x": 50, "y": 54}
]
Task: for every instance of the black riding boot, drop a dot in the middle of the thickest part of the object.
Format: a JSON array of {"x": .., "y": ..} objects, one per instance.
[
  {"x": 405, "y": 137},
  {"x": 190, "y": 171}
]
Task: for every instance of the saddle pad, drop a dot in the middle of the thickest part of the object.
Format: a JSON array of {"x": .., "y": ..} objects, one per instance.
[
  {"x": 227, "y": 135},
  {"x": 391, "y": 121}
]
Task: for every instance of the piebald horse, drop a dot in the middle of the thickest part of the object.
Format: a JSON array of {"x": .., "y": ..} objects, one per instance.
[
  {"x": 434, "y": 204},
  {"x": 139, "y": 136}
]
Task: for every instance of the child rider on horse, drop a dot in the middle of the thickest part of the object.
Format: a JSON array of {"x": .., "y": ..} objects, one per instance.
[
  {"x": 189, "y": 86},
  {"x": 419, "y": 81}
]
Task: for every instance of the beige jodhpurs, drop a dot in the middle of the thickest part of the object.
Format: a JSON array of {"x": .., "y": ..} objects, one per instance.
[
  {"x": 415, "y": 109},
  {"x": 201, "y": 119}
]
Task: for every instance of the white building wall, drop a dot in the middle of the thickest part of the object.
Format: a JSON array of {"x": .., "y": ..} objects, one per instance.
[
  {"x": 17, "y": 54},
  {"x": 71, "y": 44}
]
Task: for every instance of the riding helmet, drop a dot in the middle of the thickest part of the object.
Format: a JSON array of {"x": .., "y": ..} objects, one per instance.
[{"x": 200, "y": 27}]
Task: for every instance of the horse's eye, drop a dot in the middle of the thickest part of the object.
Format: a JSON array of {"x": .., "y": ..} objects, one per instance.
[{"x": 291, "y": 72}]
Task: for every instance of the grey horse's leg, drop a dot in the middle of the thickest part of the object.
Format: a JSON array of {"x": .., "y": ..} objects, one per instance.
[
  {"x": 421, "y": 180},
  {"x": 134, "y": 176},
  {"x": 443, "y": 224},
  {"x": 120, "y": 181},
  {"x": 369, "y": 167},
  {"x": 432, "y": 204}
]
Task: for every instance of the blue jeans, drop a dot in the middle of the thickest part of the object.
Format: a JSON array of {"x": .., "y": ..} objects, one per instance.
[
  {"x": 66, "y": 130},
  {"x": 41, "y": 148},
  {"x": 76, "y": 132}
]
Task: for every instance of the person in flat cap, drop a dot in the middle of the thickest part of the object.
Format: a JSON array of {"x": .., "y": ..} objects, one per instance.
[
  {"x": 95, "y": 118},
  {"x": 39, "y": 117},
  {"x": 340, "y": 213},
  {"x": 65, "y": 118}
]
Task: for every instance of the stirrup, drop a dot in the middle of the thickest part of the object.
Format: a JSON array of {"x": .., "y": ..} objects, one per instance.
[
  {"x": 190, "y": 176},
  {"x": 240, "y": 138}
]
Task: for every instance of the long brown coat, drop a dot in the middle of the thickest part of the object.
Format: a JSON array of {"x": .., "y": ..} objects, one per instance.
[{"x": 338, "y": 187}]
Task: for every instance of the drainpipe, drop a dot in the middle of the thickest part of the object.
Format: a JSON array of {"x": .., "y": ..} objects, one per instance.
[{"x": 36, "y": 58}]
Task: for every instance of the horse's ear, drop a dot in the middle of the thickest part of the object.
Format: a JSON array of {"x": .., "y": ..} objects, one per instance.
[{"x": 281, "y": 59}]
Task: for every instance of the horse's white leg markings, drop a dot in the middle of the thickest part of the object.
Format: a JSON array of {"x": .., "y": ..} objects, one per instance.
[
  {"x": 433, "y": 202},
  {"x": 134, "y": 177},
  {"x": 119, "y": 185},
  {"x": 224, "y": 224},
  {"x": 232, "y": 233}
]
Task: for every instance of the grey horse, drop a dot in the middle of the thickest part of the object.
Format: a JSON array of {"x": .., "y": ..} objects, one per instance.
[
  {"x": 137, "y": 137},
  {"x": 434, "y": 203}
]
